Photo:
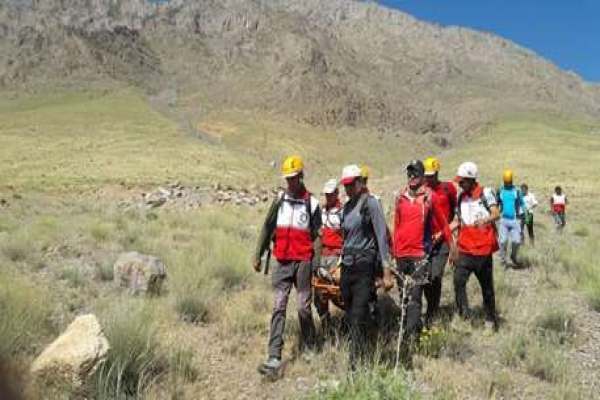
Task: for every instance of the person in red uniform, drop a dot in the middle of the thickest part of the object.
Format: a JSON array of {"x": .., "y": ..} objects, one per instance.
[
  {"x": 477, "y": 212},
  {"x": 331, "y": 246},
  {"x": 444, "y": 196},
  {"x": 415, "y": 213}
]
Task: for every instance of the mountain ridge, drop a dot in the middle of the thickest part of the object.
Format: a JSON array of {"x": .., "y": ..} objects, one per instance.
[{"x": 340, "y": 63}]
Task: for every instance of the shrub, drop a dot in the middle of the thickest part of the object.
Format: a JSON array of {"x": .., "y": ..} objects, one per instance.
[
  {"x": 555, "y": 324},
  {"x": 73, "y": 275},
  {"x": 133, "y": 361},
  {"x": 17, "y": 248},
  {"x": 371, "y": 383},
  {"x": 195, "y": 305},
  {"x": 105, "y": 271},
  {"x": 513, "y": 349},
  {"x": 24, "y": 314},
  {"x": 545, "y": 361}
]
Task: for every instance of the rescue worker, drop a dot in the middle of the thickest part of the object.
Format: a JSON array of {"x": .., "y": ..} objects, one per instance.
[
  {"x": 414, "y": 216},
  {"x": 444, "y": 196},
  {"x": 512, "y": 206},
  {"x": 558, "y": 205},
  {"x": 331, "y": 247},
  {"x": 477, "y": 212},
  {"x": 365, "y": 243},
  {"x": 292, "y": 223},
  {"x": 527, "y": 221}
]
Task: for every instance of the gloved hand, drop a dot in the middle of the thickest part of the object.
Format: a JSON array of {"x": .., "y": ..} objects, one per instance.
[{"x": 256, "y": 265}]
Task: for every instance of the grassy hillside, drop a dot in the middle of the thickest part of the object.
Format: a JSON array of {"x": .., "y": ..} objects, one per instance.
[{"x": 65, "y": 156}]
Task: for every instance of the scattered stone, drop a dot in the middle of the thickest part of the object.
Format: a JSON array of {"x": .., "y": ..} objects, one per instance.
[
  {"x": 74, "y": 356},
  {"x": 140, "y": 273}
]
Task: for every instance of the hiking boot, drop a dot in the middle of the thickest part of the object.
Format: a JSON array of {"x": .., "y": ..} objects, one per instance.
[{"x": 270, "y": 367}]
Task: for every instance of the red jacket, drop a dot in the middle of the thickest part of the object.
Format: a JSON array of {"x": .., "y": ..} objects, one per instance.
[
  {"x": 413, "y": 224},
  {"x": 445, "y": 197},
  {"x": 293, "y": 238},
  {"x": 331, "y": 232}
]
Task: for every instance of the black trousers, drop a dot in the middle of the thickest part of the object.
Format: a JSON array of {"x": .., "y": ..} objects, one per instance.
[
  {"x": 358, "y": 291},
  {"x": 482, "y": 267},
  {"x": 433, "y": 290}
]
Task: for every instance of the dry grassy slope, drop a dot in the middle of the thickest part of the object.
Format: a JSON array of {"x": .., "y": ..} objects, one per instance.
[
  {"x": 67, "y": 152},
  {"x": 341, "y": 62}
]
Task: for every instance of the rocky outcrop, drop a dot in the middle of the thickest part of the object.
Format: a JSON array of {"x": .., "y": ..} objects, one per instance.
[
  {"x": 140, "y": 273},
  {"x": 327, "y": 63},
  {"x": 74, "y": 356}
]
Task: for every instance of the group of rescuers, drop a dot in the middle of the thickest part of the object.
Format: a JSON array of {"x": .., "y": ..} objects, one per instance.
[{"x": 311, "y": 240}]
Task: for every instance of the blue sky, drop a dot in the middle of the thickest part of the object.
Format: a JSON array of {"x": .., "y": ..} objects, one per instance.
[{"x": 567, "y": 32}]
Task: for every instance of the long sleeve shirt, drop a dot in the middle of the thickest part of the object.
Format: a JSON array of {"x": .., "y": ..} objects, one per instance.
[{"x": 365, "y": 230}]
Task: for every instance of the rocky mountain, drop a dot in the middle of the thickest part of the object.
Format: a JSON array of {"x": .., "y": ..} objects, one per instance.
[{"x": 338, "y": 63}]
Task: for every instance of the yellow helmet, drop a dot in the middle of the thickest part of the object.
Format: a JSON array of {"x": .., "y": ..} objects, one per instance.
[
  {"x": 364, "y": 171},
  {"x": 432, "y": 166},
  {"x": 292, "y": 166},
  {"x": 507, "y": 176}
]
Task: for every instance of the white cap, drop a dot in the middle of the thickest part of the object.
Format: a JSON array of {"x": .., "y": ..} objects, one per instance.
[
  {"x": 330, "y": 186},
  {"x": 467, "y": 170},
  {"x": 350, "y": 173}
]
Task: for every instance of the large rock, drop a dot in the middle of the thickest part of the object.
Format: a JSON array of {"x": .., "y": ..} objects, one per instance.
[
  {"x": 140, "y": 273},
  {"x": 74, "y": 356}
]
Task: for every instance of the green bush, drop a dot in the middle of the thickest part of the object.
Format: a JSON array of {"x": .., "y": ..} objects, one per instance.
[
  {"x": 195, "y": 305},
  {"x": 73, "y": 275},
  {"x": 370, "y": 383},
  {"x": 133, "y": 362}
]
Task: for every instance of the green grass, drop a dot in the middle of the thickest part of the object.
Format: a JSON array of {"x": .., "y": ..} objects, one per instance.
[
  {"x": 370, "y": 383},
  {"x": 134, "y": 360},
  {"x": 24, "y": 317}
]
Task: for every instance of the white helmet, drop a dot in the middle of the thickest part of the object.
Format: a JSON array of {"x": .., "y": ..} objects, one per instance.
[
  {"x": 350, "y": 173},
  {"x": 330, "y": 186},
  {"x": 467, "y": 170}
]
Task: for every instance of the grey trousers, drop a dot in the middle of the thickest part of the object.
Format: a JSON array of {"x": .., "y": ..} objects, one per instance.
[{"x": 285, "y": 275}]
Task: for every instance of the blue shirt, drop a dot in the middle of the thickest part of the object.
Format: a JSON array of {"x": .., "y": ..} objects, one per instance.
[{"x": 511, "y": 202}]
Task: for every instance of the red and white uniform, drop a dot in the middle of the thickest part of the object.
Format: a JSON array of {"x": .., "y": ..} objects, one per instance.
[
  {"x": 559, "y": 203},
  {"x": 476, "y": 240},
  {"x": 331, "y": 231},
  {"x": 293, "y": 239}
]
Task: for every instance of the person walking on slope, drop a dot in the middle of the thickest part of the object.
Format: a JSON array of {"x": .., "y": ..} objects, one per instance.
[
  {"x": 415, "y": 213},
  {"x": 331, "y": 246},
  {"x": 365, "y": 243},
  {"x": 292, "y": 223},
  {"x": 558, "y": 205},
  {"x": 477, "y": 212},
  {"x": 444, "y": 197},
  {"x": 512, "y": 206},
  {"x": 527, "y": 220}
]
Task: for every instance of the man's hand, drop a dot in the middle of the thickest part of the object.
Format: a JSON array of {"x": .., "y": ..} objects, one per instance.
[
  {"x": 388, "y": 279},
  {"x": 256, "y": 265}
]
